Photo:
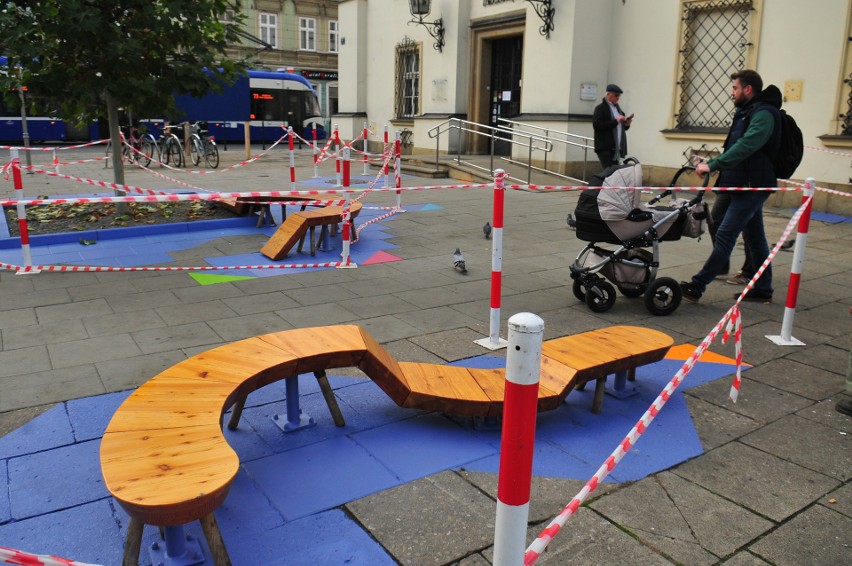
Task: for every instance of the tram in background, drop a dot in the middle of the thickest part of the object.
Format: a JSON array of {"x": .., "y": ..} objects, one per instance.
[{"x": 267, "y": 100}]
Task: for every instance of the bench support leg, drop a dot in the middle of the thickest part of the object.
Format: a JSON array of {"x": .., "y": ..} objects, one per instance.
[
  {"x": 133, "y": 543},
  {"x": 179, "y": 549},
  {"x": 218, "y": 552},
  {"x": 330, "y": 399},
  {"x": 296, "y": 419},
  {"x": 620, "y": 390},
  {"x": 236, "y": 413},
  {"x": 597, "y": 402}
]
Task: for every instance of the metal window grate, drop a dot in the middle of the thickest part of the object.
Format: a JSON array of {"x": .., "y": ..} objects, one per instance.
[
  {"x": 407, "y": 96},
  {"x": 846, "y": 128},
  {"x": 714, "y": 44}
]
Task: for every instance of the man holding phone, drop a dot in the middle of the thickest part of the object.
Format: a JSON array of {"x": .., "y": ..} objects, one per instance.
[{"x": 610, "y": 125}]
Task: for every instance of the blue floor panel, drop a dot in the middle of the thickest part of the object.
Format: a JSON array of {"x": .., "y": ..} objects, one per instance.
[
  {"x": 88, "y": 533},
  {"x": 50, "y": 430},
  {"x": 314, "y": 478},
  {"x": 5, "y": 511},
  {"x": 57, "y": 479},
  {"x": 90, "y": 415},
  {"x": 441, "y": 444}
]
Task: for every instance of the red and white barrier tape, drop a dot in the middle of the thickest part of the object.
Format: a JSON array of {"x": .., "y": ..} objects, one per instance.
[
  {"x": 693, "y": 189},
  {"x": 96, "y": 268},
  {"x": 89, "y": 144},
  {"x": 373, "y": 220},
  {"x": 215, "y": 196},
  {"x": 12, "y": 556},
  {"x": 829, "y": 151},
  {"x": 732, "y": 320}
]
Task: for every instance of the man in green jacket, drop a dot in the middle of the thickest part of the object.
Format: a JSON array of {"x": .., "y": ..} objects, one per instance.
[{"x": 755, "y": 136}]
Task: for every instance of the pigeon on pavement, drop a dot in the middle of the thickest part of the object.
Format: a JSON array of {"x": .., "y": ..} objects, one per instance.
[
  {"x": 487, "y": 230},
  {"x": 572, "y": 224},
  {"x": 458, "y": 261}
]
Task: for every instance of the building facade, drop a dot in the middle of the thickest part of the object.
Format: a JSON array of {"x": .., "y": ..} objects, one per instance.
[
  {"x": 298, "y": 35},
  {"x": 510, "y": 59}
]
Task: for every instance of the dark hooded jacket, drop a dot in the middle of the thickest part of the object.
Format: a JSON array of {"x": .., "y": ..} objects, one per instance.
[{"x": 744, "y": 164}]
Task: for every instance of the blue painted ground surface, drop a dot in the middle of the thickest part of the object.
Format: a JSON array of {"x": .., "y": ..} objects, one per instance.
[
  {"x": 284, "y": 505},
  {"x": 151, "y": 245}
]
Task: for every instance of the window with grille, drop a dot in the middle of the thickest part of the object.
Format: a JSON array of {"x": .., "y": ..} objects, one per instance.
[
  {"x": 268, "y": 26},
  {"x": 407, "y": 103},
  {"x": 307, "y": 34},
  {"x": 845, "y": 113},
  {"x": 715, "y": 42},
  {"x": 333, "y": 36}
]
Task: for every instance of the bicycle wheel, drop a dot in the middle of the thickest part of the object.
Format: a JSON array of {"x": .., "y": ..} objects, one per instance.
[
  {"x": 146, "y": 150},
  {"x": 211, "y": 153},
  {"x": 174, "y": 152},
  {"x": 195, "y": 149}
]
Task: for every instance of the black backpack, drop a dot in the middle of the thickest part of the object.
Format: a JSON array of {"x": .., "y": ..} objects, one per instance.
[{"x": 791, "y": 148}]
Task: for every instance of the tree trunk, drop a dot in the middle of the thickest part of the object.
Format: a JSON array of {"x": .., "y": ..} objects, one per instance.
[{"x": 115, "y": 138}]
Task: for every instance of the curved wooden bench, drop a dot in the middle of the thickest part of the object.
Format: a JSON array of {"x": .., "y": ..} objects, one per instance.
[{"x": 164, "y": 457}]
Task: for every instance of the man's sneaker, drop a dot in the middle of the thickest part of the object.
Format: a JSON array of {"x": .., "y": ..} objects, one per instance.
[
  {"x": 755, "y": 296},
  {"x": 689, "y": 292},
  {"x": 844, "y": 406},
  {"x": 738, "y": 279}
]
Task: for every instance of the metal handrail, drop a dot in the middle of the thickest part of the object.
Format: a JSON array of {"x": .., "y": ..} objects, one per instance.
[
  {"x": 586, "y": 144},
  {"x": 545, "y": 146}
]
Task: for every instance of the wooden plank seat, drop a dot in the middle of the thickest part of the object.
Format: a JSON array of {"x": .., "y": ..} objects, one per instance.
[
  {"x": 164, "y": 457},
  {"x": 299, "y": 224}
]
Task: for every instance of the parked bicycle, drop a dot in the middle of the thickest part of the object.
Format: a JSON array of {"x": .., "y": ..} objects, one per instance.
[
  {"x": 169, "y": 148},
  {"x": 201, "y": 143},
  {"x": 136, "y": 148}
]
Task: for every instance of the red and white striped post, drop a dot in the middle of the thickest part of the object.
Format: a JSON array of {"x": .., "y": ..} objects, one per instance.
[
  {"x": 386, "y": 157},
  {"x": 494, "y": 342},
  {"x": 397, "y": 170},
  {"x": 786, "y": 337},
  {"x": 23, "y": 229},
  {"x": 346, "y": 216},
  {"x": 366, "y": 134},
  {"x": 337, "y": 154},
  {"x": 316, "y": 149},
  {"x": 292, "y": 159},
  {"x": 523, "y": 366}
]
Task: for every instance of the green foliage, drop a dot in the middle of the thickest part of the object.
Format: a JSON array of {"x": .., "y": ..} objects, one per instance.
[{"x": 73, "y": 53}]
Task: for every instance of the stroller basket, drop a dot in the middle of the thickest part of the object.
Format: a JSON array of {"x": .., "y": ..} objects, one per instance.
[{"x": 626, "y": 269}]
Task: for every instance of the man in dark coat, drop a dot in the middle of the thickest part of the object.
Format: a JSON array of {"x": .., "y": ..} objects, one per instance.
[{"x": 610, "y": 125}]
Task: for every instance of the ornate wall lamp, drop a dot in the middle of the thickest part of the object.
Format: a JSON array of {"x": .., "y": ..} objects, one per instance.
[
  {"x": 420, "y": 9},
  {"x": 545, "y": 11}
]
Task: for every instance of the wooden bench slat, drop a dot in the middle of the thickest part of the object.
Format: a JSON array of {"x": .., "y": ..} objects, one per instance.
[
  {"x": 171, "y": 402},
  {"x": 383, "y": 369},
  {"x": 322, "y": 347},
  {"x": 168, "y": 476},
  {"x": 444, "y": 388}
]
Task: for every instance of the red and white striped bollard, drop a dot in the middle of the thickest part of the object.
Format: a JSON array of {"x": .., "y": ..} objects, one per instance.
[
  {"x": 494, "y": 342},
  {"x": 786, "y": 337},
  {"x": 520, "y": 404},
  {"x": 386, "y": 157},
  {"x": 346, "y": 216},
  {"x": 292, "y": 159},
  {"x": 316, "y": 157},
  {"x": 337, "y": 154},
  {"x": 397, "y": 170},
  {"x": 366, "y": 149},
  {"x": 21, "y": 210}
]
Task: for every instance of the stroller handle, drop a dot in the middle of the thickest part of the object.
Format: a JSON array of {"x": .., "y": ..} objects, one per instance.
[{"x": 673, "y": 183}]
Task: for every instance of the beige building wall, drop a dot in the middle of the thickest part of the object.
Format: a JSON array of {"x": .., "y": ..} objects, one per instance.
[{"x": 633, "y": 43}]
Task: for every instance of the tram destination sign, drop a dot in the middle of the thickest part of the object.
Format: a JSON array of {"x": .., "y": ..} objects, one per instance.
[{"x": 319, "y": 75}]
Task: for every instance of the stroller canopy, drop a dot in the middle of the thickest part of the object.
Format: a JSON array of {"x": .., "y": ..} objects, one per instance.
[{"x": 604, "y": 215}]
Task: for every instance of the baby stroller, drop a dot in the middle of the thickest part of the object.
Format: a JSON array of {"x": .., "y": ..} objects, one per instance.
[{"x": 617, "y": 216}]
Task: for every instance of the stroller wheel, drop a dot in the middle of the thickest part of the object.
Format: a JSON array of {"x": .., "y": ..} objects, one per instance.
[
  {"x": 632, "y": 292},
  {"x": 600, "y": 297},
  {"x": 663, "y": 296},
  {"x": 579, "y": 290}
]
